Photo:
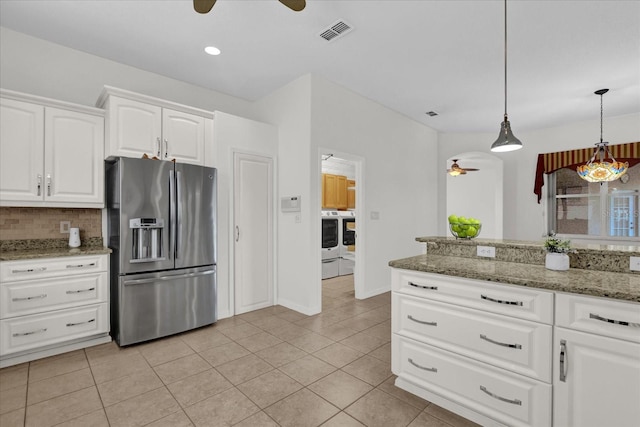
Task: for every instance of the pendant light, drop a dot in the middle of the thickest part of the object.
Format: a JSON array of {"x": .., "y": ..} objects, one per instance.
[
  {"x": 602, "y": 171},
  {"x": 506, "y": 140}
]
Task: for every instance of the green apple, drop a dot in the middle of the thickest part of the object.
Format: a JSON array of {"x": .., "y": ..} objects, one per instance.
[
  {"x": 472, "y": 231},
  {"x": 453, "y": 219}
]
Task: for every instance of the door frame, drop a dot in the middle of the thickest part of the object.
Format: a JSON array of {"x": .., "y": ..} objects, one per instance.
[
  {"x": 231, "y": 225},
  {"x": 359, "y": 270}
]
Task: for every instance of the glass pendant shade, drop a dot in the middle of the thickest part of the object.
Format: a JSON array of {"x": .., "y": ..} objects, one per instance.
[
  {"x": 506, "y": 140},
  {"x": 602, "y": 171}
]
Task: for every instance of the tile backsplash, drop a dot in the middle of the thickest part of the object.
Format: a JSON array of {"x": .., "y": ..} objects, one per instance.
[{"x": 44, "y": 223}]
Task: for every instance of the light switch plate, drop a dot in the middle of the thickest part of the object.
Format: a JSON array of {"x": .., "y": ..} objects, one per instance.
[
  {"x": 486, "y": 251},
  {"x": 634, "y": 263}
]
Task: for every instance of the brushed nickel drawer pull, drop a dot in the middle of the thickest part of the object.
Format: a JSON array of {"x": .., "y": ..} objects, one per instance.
[
  {"x": 431, "y": 288},
  {"x": 29, "y": 298},
  {"x": 615, "y": 322},
  {"x": 81, "y": 323},
  {"x": 422, "y": 322},
  {"x": 501, "y": 301},
  {"x": 48, "y": 184},
  {"x": 422, "y": 367},
  {"x": 484, "y": 337},
  {"x": 30, "y": 270},
  {"x": 80, "y": 291},
  {"x": 39, "y": 185},
  {"x": 93, "y": 264},
  {"x": 563, "y": 361},
  {"x": 504, "y": 399},
  {"x": 22, "y": 334}
]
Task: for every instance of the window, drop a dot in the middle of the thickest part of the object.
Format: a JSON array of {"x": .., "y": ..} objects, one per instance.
[{"x": 585, "y": 209}]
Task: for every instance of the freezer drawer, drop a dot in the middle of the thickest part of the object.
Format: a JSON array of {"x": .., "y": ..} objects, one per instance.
[{"x": 159, "y": 304}]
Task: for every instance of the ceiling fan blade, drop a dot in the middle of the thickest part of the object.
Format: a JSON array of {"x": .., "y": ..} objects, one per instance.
[
  {"x": 296, "y": 5},
  {"x": 470, "y": 169},
  {"x": 203, "y": 6}
]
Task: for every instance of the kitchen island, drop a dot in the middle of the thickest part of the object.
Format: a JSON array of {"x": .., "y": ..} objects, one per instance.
[{"x": 504, "y": 341}]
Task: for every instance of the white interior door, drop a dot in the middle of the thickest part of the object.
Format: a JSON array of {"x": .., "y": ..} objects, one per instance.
[{"x": 253, "y": 231}]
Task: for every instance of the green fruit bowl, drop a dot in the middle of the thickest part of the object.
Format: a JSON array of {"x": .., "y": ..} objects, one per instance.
[{"x": 465, "y": 230}]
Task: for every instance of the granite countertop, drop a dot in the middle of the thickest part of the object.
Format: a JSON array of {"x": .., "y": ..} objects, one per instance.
[
  {"x": 15, "y": 250},
  {"x": 623, "y": 286}
]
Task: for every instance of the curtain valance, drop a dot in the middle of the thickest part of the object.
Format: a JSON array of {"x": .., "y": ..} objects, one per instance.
[{"x": 551, "y": 162}]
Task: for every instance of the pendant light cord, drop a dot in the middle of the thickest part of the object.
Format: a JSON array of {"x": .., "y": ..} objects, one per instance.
[
  {"x": 505, "y": 60},
  {"x": 601, "y": 118}
]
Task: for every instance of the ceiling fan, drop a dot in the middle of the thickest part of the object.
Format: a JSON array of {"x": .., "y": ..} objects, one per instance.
[
  {"x": 456, "y": 170},
  {"x": 204, "y": 6}
]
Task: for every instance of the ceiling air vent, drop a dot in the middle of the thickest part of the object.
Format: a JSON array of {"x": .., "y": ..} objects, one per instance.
[{"x": 337, "y": 29}]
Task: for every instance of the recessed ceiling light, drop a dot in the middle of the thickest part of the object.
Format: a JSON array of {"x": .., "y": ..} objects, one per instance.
[
  {"x": 212, "y": 50},
  {"x": 431, "y": 113}
]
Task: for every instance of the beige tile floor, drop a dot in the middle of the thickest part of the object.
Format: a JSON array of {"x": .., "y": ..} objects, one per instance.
[{"x": 270, "y": 367}]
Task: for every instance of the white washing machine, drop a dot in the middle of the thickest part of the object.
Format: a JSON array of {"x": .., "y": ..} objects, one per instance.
[
  {"x": 331, "y": 237},
  {"x": 347, "y": 247}
]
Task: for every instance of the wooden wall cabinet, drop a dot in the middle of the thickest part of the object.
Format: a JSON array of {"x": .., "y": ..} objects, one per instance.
[{"x": 335, "y": 193}]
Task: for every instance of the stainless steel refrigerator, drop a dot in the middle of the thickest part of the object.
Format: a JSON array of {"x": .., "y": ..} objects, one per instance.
[{"x": 162, "y": 231}]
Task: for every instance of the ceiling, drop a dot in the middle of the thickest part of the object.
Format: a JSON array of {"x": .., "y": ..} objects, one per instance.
[{"x": 411, "y": 56}]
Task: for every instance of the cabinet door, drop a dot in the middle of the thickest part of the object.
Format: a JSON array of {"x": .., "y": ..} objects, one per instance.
[
  {"x": 351, "y": 194},
  {"x": 73, "y": 171},
  {"x": 134, "y": 129},
  {"x": 183, "y": 137},
  {"x": 329, "y": 195},
  {"x": 341, "y": 192},
  {"x": 596, "y": 380},
  {"x": 21, "y": 152}
]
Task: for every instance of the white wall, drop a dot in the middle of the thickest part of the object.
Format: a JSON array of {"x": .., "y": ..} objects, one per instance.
[
  {"x": 524, "y": 218},
  {"x": 290, "y": 109},
  {"x": 477, "y": 194},
  {"x": 400, "y": 182},
  {"x": 236, "y": 134},
  {"x": 39, "y": 67}
]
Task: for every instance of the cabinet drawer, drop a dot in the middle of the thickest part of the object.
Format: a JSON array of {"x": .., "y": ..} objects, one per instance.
[
  {"x": 518, "y": 345},
  {"x": 39, "y": 330},
  {"x": 52, "y": 267},
  {"x": 509, "y": 398},
  {"x": 33, "y": 296},
  {"x": 510, "y": 300},
  {"x": 615, "y": 319}
]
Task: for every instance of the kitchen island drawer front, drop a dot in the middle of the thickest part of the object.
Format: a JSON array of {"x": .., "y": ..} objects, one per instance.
[
  {"x": 52, "y": 267},
  {"x": 518, "y": 345},
  {"x": 39, "y": 330},
  {"x": 504, "y": 299},
  {"x": 30, "y": 297},
  {"x": 615, "y": 319},
  {"x": 509, "y": 398}
]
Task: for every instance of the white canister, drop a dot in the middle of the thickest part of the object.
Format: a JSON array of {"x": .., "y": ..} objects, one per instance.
[{"x": 74, "y": 237}]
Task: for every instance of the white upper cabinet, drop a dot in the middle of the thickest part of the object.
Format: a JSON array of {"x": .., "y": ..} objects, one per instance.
[
  {"x": 139, "y": 125},
  {"x": 183, "y": 136},
  {"x": 134, "y": 128},
  {"x": 50, "y": 153},
  {"x": 21, "y": 151}
]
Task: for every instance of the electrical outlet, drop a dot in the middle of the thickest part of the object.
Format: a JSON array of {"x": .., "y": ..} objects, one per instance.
[
  {"x": 298, "y": 218},
  {"x": 64, "y": 227},
  {"x": 634, "y": 263},
  {"x": 375, "y": 215},
  {"x": 486, "y": 251}
]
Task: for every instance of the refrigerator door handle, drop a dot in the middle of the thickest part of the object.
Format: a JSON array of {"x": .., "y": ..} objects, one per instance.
[
  {"x": 178, "y": 213},
  {"x": 167, "y": 278},
  {"x": 172, "y": 214}
]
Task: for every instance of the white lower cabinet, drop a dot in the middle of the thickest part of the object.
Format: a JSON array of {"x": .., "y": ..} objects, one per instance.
[
  {"x": 49, "y": 306},
  {"x": 596, "y": 374},
  {"x": 454, "y": 346}
]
